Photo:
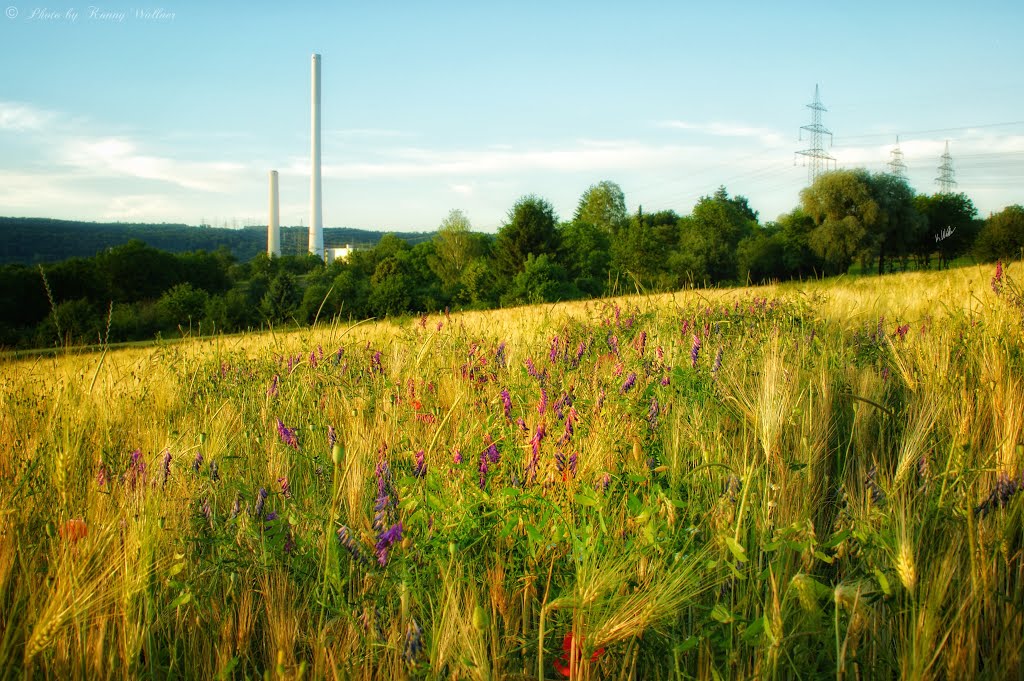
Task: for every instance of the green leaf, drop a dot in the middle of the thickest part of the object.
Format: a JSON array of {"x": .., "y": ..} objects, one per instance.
[
  {"x": 586, "y": 498},
  {"x": 721, "y": 614},
  {"x": 738, "y": 552},
  {"x": 689, "y": 644},
  {"x": 754, "y": 629},
  {"x": 183, "y": 598},
  {"x": 175, "y": 569}
]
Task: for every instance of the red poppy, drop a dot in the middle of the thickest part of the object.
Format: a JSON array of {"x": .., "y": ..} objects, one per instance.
[
  {"x": 73, "y": 530},
  {"x": 562, "y": 665}
]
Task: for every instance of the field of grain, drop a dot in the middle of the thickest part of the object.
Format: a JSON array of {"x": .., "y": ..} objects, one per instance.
[{"x": 801, "y": 481}]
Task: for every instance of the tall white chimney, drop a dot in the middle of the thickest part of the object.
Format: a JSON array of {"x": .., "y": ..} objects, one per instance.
[
  {"x": 274, "y": 220},
  {"x": 316, "y": 212}
]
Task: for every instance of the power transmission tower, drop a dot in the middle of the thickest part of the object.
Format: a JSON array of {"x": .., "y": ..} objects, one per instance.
[
  {"x": 896, "y": 165},
  {"x": 945, "y": 179},
  {"x": 818, "y": 158}
]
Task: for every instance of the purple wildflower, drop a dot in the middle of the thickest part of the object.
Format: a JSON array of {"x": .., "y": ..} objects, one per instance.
[
  {"x": 413, "y": 643},
  {"x": 613, "y": 342},
  {"x": 271, "y": 516},
  {"x": 312, "y": 359},
  {"x": 641, "y": 343},
  {"x": 493, "y": 456},
  {"x": 553, "y": 352},
  {"x": 483, "y": 471},
  {"x": 522, "y": 425},
  {"x": 997, "y": 279},
  {"x": 457, "y": 459},
  {"x": 287, "y": 435},
  {"x": 499, "y": 356},
  {"x": 289, "y": 540},
  {"x": 286, "y": 489},
  {"x": 332, "y": 437},
  {"x": 102, "y": 476},
  {"x": 166, "y": 467},
  {"x": 375, "y": 364},
  {"x": 628, "y": 384},
  {"x": 695, "y": 351},
  {"x": 261, "y": 499},
  {"x": 386, "y": 540},
  {"x": 1000, "y": 495},
  {"x": 665, "y": 380},
  {"x": 901, "y": 331},
  {"x": 606, "y": 480},
  {"x": 420, "y": 469},
  {"x": 207, "y": 511},
  {"x": 718, "y": 362},
  {"x": 214, "y": 471},
  {"x": 136, "y": 469},
  {"x": 531, "y": 368},
  {"x": 542, "y": 404},
  {"x": 570, "y": 421},
  {"x": 384, "y": 506},
  {"x": 653, "y": 413},
  {"x": 506, "y": 403},
  {"x": 600, "y": 400},
  {"x": 236, "y": 507},
  {"x": 197, "y": 462},
  {"x": 573, "y": 460},
  {"x": 352, "y": 545},
  {"x": 580, "y": 349}
]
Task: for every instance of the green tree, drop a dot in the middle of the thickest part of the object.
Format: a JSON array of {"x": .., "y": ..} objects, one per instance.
[
  {"x": 1002, "y": 235},
  {"x": 183, "y": 305},
  {"x": 603, "y": 205},
  {"x": 455, "y": 246},
  {"x": 282, "y": 298},
  {"x": 541, "y": 281},
  {"x": 530, "y": 230},
  {"x": 710, "y": 235},
  {"x": 951, "y": 226},
  {"x": 586, "y": 254}
]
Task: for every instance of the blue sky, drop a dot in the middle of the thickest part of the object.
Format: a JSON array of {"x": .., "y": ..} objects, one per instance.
[{"x": 176, "y": 111}]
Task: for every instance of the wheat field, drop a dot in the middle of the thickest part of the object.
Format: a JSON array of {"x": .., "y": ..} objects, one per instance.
[{"x": 796, "y": 481}]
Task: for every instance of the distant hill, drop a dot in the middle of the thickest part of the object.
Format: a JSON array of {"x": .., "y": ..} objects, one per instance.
[{"x": 41, "y": 240}]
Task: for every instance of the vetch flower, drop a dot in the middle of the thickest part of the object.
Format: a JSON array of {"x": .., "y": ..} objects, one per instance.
[
  {"x": 997, "y": 279},
  {"x": 420, "y": 469},
  {"x": 332, "y": 437},
  {"x": 285, "y": 488},
  {"x": 413, "y": 643},
  {"x": 214, "y": 471},
  {"x": 506, "y": 403},
  {"x": 543, "y": 402},
  {"x": 695, "y": 351},
  {"x": 261, "y": 499},
  {"x": 385, "y": 541},
  {"x": 352, "y": 545},
  {"x": 197, "y": 462},
  {"x": 287, "y": 435},
  {"x": 553, "y": 353},
  {"x": 628, "y": 384}
]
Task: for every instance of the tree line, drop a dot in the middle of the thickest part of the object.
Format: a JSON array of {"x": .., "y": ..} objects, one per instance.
[
  {"x": 44, "y": 240},
  {"x": 845, "y": 218}
]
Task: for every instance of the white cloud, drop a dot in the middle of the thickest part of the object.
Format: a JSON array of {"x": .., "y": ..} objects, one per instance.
[
  {"x": 718, "y": 129},
  {"x": 117, "y": 156},
  {"x": 463, "y": 189},
  {"x": 21, "y": 117},
  {"x": 584, "y": 155}
]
